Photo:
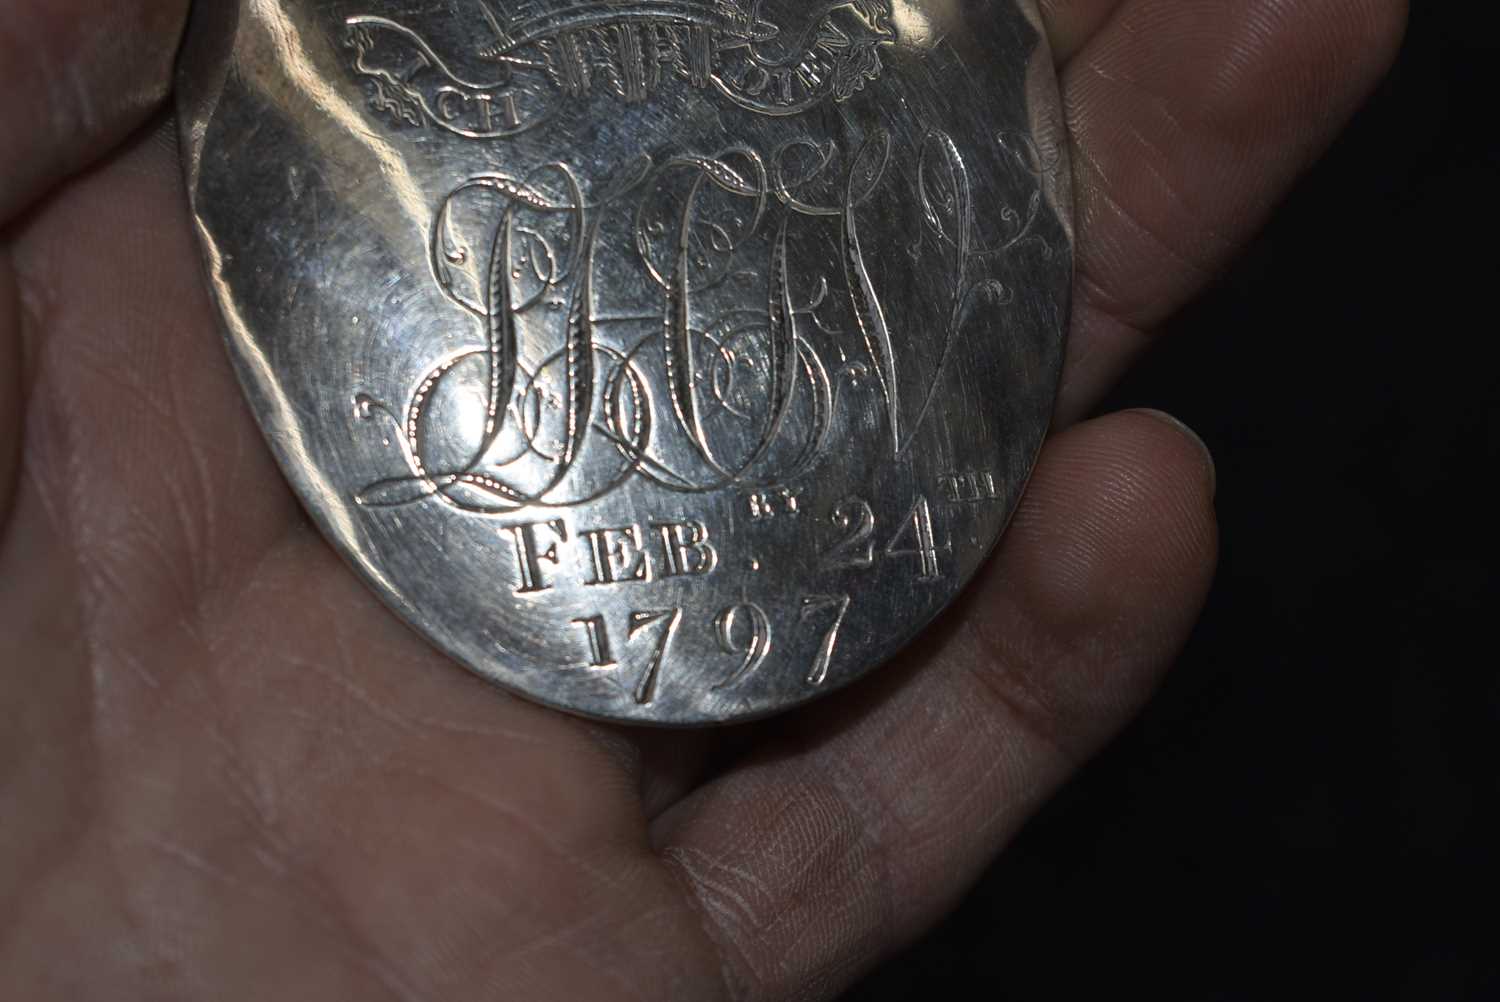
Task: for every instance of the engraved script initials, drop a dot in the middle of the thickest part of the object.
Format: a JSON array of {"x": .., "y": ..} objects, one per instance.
[{"x": 589, "y": 407}]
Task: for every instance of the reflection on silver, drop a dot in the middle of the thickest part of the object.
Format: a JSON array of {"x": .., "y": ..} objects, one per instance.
[{"x": 669, "y": 361}]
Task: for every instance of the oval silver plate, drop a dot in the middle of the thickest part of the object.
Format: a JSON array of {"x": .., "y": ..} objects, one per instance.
[{"x": 670, "y": 361}]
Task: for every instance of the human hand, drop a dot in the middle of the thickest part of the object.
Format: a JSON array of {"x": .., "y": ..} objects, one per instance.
[{"x": 226, "y": 771}]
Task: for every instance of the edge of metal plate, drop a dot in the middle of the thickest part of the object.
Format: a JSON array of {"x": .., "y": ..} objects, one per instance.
[{"x": 206, "y": 65}]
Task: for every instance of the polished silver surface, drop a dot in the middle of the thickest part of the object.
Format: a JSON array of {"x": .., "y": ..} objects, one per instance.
[{"x": 670, "y": 361}]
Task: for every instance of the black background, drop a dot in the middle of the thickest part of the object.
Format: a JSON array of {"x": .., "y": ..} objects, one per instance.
[{"x": 1308, "y": 810}]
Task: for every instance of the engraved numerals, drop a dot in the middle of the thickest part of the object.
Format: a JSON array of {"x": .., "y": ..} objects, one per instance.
[
  {"x": 857, "y": 548},
  {"x": 660, "y": 625},
  {"x": 599, "y": 649},
  {"x": 915, "y": 539},
  {"x": 830, "y": 609},
  {"x": 918, "y": 540},
  {"x": 752, "y": 640},
  {"x": 664, "y": 626},
  {"x": 743, "y": 632}
]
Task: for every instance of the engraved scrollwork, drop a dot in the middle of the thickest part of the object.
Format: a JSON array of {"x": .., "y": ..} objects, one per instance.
[
  {"x": 771, "y": 57},
  {"x": 715, "y": 376},
  {"x": 946, "y": 199},
  {"x": 520, "y": 443},
  {"x": 412, "y": 85}
]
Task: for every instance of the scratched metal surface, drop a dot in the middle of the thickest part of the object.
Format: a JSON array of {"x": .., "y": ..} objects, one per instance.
[{"x": 672, "y": 362}]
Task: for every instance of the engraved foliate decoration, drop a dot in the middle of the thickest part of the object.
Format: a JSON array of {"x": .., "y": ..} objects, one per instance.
[{"x": 671, "y": 361}]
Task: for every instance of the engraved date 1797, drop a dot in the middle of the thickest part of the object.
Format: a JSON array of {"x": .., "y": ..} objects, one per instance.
[
  {"x": 744, "y": 632},
  {"x": 642, "y": 641}
]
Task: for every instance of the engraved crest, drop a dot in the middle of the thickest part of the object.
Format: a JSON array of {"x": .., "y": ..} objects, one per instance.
[{"x": 532, "y": 57}]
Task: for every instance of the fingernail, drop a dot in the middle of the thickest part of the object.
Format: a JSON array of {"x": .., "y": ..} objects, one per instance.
[{"x": 1192, "y": 436}]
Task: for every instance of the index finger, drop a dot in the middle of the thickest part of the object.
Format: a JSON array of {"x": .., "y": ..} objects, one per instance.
[
  {"x": 76, "y": 77},
  {"x": 1190, "y": 121}
]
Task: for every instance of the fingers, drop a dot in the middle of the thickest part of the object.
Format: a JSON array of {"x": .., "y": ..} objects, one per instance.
[
  {"x": 76, "y": 76},
  {"x": 1189, "y": 121},
  {"x": 136, "y": 434},
  {"x": 1071, "y": 23},
  {"x": 859, "y": 827},
  {"x": 10, "y": 386}
]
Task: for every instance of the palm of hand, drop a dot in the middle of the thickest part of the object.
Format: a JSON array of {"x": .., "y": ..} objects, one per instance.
[{"x": 228, "y": 771}]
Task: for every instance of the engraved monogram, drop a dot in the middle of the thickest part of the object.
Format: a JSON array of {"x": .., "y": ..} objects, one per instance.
[
  {"x": 772, "y": 57},
  {"x": 664, "y": 361},
  {"x": 718, "y": 363}
]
